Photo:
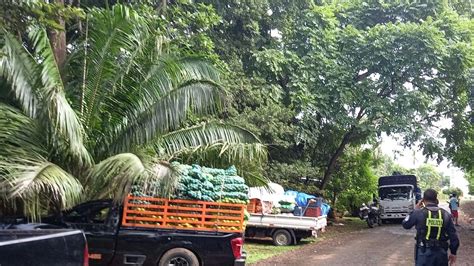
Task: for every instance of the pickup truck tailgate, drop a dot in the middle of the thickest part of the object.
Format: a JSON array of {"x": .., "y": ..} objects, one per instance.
[{"x": 42, "y": 247}]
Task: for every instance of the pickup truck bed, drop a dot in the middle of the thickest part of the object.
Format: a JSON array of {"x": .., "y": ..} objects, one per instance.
[
  {"x": 287, "y": 221},
  {"x": 284, "y": 229},
  {"x": 43, "y": 247}
]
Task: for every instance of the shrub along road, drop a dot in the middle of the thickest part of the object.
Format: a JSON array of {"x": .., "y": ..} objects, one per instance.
[{"x": 384, "y": 245}]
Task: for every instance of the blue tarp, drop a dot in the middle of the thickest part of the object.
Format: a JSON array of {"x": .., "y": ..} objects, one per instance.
[
  {"x": 302, "y": 199},
  {"x": 325, "y": 208}
]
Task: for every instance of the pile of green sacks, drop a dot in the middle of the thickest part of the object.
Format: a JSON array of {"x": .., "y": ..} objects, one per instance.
[
  {"x": 210, "y": 184},
  {"x": 286, "y": 206}
]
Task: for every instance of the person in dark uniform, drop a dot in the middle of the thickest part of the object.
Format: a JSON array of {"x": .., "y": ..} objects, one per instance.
[{"x": 434, "y": 229}]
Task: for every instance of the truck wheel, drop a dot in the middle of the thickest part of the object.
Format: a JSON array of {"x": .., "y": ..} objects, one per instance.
[
  {"x": 179, "y": 257},
  {"x": 281, "y": 237}
]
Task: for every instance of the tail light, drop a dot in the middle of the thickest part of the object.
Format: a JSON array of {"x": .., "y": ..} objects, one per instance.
[
  {"x": 237, "y": 244},
  {"x": 86, "y": 256}
]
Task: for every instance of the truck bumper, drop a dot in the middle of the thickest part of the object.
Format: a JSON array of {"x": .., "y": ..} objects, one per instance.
[
  {"x": 241, "y": 261},
  {"x": 393, "y": 215}
]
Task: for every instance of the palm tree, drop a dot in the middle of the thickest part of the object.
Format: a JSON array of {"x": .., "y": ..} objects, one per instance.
[{"x": 109, "y": 118}]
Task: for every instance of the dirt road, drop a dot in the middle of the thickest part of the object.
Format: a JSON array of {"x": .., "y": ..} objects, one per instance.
[{"x": 385, "y": 245}]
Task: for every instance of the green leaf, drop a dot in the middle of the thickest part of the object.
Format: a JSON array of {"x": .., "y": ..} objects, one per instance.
[{"x": 114, "y": 176}]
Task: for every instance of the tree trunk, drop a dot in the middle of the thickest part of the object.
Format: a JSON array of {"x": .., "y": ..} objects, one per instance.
[
  {"x": 345, "y": 140},
  {"x": 332, "y": 162},
  {"x": 58, "y": 40}
]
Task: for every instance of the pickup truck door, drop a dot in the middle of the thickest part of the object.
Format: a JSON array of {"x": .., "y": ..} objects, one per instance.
[{"x": 95, "y": 220}]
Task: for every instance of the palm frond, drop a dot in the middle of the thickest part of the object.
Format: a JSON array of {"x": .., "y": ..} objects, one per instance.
[
  {"x": 218, "y": 145},
  {"x": 20, "y": 136},
  {"x": 158, "y": 75},
  {"x": 115, "y": 38},
  {"x": 164, "y": 115},
  {"x": 18, "y": 68},
  {"x": 38, "y": 183},
  {"x": 195, "y": 68},
  {"x": 167, "y": 72},
  {"x": 57, "y": 111},
  {"x": 161, "y": 179},
  {"x": 114, "y": 176},
  {"x": 208, "y": 135}
]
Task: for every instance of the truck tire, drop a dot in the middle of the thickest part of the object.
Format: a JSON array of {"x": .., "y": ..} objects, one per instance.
[
  {"x": 179, "y": 257},
  {"x": 281, "y": 237}
]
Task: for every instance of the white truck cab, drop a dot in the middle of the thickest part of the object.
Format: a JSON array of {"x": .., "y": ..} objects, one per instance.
[{"x": 397, "y": 196}]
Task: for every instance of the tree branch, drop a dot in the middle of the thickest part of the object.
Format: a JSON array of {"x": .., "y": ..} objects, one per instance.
[
  {"x": 344, "y": 142},
  {"x": 360, "y": 77}
]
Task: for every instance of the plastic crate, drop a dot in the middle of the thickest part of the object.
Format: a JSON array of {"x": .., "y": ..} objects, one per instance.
[
  {"x": 313, "y": 212},
  {"x": 254, "y": 206}
]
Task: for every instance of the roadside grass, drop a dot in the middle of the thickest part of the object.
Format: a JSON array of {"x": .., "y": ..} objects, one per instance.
[{"x": 261, "y": 249}]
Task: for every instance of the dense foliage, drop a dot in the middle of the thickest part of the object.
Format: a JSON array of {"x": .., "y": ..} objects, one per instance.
[
  {"x": 106, "y": 118},
  {"x": 317, "y": 81},
  {"x": 321, "y": 77}
]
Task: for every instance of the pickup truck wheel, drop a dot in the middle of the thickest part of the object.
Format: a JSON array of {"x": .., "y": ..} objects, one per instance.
[
  {"x": 179, "y": 257},
  {"x": 281, "y": 238}
]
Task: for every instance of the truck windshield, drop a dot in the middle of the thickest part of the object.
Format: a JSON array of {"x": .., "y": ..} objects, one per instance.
[{"x": 394, "y": 193}]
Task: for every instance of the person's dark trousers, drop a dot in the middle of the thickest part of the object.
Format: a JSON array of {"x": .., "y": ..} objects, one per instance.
[{"x": 431, "y": 257}]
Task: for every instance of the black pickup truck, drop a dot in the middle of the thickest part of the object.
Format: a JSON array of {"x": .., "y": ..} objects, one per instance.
[
  {"x": 32, "y": 245},
  {"x": 111, "y": 244}
]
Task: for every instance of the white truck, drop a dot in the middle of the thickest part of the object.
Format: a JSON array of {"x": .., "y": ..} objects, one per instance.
[
  {"x": 285, "y": 229},
  {"x": 397, "y": 196}
]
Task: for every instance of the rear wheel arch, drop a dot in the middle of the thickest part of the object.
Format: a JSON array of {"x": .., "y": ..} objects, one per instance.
[{"x": 166, "y": 253}]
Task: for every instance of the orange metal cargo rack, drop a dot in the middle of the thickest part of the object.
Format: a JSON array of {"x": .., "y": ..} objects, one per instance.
[{"x": 183, "y": 214}]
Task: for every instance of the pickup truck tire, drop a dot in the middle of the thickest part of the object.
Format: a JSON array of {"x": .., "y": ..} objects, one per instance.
[
  {"x": 281, "y": 237},
  {"x": 179, "y": 257}
]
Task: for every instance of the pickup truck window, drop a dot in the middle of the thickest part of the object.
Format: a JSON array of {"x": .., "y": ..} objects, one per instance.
[
  {"x": 88, "y": 214},
  {"x": 99, "y": 216}
]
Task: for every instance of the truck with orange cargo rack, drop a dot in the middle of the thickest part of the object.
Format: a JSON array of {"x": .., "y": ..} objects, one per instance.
[{"x": 153, "y": 231}]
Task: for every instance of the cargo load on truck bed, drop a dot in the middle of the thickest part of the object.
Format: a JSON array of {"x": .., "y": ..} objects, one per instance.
[{"x": 286, "y": 216}]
